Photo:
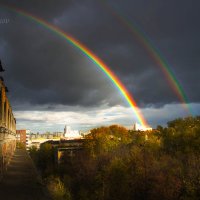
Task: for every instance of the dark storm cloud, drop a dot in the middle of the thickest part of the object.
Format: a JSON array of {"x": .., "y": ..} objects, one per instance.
[
  {"x": 43, "y": 69},
  {"x": 47, "y": 8}
]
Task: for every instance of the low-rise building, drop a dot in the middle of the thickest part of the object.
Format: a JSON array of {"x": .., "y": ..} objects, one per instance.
[{"x": 21, "y": 136}]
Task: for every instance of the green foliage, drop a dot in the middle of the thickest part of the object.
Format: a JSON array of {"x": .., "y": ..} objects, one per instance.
[
  {"x": 57, "y": 189},
  {"x": 34, "y": 154},
  {"x": 44, "y": 158},
  {"x": 117, "y": 164},
  {"x": 182, "y": 135},
  {"x": 106, "y": 139},
  {"x": 20, "y": 145}
]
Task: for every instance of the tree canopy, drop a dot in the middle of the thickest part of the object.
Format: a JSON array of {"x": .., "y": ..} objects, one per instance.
[{"x": 117, "y": 164}]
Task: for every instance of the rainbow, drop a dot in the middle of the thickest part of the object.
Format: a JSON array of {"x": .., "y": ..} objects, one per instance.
[
  {"x": 154, "y": 53},
  {"x": 87, "y": 52}
]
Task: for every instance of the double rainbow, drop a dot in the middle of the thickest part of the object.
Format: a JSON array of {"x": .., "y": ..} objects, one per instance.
[
  {"x": 87, "y": 52},
  {"x": 153, "y": 51}
]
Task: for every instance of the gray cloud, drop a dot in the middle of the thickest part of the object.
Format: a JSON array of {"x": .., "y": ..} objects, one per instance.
[{"x": 42, "y": 69}]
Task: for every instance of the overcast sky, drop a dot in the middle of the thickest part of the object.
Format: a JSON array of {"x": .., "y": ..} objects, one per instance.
[{"x": 52, "y": 83}]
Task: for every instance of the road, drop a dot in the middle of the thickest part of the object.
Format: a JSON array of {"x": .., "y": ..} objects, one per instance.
[{"x": 21, "y": 181}]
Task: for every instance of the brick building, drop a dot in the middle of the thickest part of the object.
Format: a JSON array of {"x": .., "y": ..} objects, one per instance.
[{"x": 21, "y": 136}]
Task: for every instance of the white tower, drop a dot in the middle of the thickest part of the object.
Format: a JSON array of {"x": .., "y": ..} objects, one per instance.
[{"x": 67, "y": 131}]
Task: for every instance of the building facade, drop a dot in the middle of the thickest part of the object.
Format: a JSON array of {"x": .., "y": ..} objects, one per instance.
[
  {"x": 21, "y": 136},
  {"x": 7, "y": 128}
]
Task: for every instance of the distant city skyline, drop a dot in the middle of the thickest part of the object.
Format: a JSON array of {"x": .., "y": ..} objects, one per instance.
[{"x": 55, "y": 121}]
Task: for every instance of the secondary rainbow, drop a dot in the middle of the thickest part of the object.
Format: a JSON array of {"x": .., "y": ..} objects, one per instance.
[
  {"x": 154, "y": 53},
  {"x": 107, "y": 71}
]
